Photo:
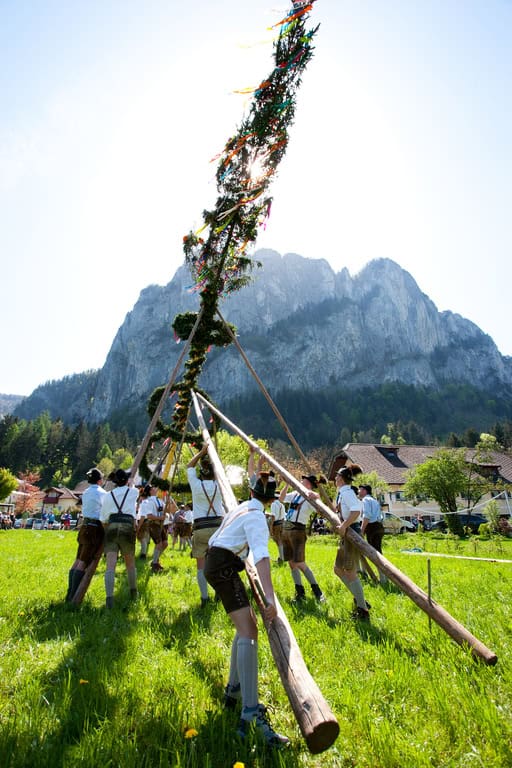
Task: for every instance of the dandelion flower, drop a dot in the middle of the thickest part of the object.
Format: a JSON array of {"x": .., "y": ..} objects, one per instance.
[
  {"x": 238, "y": 764},
  {"x": 84, "y": 682},
  {"x": 190, "y": 733}
]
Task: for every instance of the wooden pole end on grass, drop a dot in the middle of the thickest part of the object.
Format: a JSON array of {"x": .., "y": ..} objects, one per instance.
[
  {"x": 452, "y": 627},
  {"x": 86, "y": 579},
  {"x": 316, "y": 721},
  {"x": 322, "y": 736}
]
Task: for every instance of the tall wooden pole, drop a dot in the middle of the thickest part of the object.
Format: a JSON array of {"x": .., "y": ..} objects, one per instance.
[
  {"x": 281, "y": 420},
  {"x": 450, "y": 625},
  {"x": 314, "y": 716},
  {"x": 266, "y": 395},
  {"x": 91, "y": 569},
  {"x": 165, "y": 394}
]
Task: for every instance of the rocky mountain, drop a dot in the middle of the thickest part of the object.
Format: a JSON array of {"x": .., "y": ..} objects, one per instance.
[
  {"x": 304, "y": 328},
  {"x": 8, "y": 403}
]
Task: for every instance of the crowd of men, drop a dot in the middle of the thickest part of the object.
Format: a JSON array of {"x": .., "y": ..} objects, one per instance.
[{"x": 220, "y": 540}]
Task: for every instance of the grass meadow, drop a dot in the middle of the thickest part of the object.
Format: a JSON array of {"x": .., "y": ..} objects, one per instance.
[{"x": 125, "y": 688}]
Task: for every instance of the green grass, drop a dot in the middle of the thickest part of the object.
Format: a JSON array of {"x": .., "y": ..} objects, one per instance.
[{"x": 94, "y": 688}]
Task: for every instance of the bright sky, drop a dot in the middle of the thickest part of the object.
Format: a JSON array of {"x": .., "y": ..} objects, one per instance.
[{"x": 112, "y": 109}]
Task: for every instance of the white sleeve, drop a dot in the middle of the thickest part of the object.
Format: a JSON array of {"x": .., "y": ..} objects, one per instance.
[{"x": 256, "y": 530}]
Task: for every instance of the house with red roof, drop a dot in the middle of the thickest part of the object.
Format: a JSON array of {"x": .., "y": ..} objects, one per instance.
[
  {"x": 391, "y": 463},
  {"x": 58, "y": 500}
]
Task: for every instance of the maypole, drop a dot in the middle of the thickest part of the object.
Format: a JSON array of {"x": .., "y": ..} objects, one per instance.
[{"x": 217, "y": 253}]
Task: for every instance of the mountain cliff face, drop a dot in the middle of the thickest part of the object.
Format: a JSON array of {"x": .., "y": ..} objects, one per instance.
[
  {"x": 8, "y": 403},
  {"x": 303, "y": 327}
]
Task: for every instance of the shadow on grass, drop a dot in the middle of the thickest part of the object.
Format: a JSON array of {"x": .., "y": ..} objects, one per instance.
[
  {"x": 76, "y": 691},
  {"x": 214, "y": 742}
]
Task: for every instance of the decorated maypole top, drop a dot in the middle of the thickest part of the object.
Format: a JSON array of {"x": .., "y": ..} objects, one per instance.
[{"x": 217, "y": 254}]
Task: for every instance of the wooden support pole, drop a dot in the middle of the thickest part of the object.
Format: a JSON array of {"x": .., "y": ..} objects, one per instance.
[
  {"x": 87, "y": 578},
  {"x": 91, "y": 569},
  {"x": 368, "y": 569},
  {"x": 275, "y": 409},
  {"x": 450, "y": 625},
  {"x": 314, "y": 716},
  {"x": 165, "y": 394},
  {"x": 266, "y": 395}
]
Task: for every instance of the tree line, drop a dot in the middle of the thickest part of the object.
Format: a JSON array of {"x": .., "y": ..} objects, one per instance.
[
  {"x": 322, "y": 421},
  {"x": 418, "y": 415},
  {"x": 58, "y": 453}
]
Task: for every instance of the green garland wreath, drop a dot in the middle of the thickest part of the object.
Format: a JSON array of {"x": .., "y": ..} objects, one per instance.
[
  {"x": 163, "y": 431},
  {"x": 212, "y": 333}
]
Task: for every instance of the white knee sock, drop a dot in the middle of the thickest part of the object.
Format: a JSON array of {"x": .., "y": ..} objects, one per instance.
[
  {"x": 203, "y": 584},
  {"x": 357, "y": 590},
  {"x": 247, "y": 663},
  {"x": 109, "y": 583},
  {"x": 132, "y": 577},
  {"x": 296, "y": 576},
  {"x": 234, "y": 680},
  {"x": 308, "y": 573}
]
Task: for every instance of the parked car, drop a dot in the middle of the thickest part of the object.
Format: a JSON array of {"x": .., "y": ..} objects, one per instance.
[
  {"x": 473, "y": 522},
  {"x": 394, "y": 524}
]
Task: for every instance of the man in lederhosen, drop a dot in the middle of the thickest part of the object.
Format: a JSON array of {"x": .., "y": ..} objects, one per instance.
[
  {"x": 207, "y": 510},
  {"x": 372, "y": 523},
  {"x": 244, "y": 529},
  {"x": 348, "y": 507},
  {"x": 295, "y": 535},
  {"x": 277, "y": 518},
  {"x": 91, "y": 532},
  {"x": 151, "y": 517},
  {"x": 118, "y": 515}
]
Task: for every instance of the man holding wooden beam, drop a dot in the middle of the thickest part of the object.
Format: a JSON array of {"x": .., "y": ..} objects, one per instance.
[{"x": 243, "y": 529}]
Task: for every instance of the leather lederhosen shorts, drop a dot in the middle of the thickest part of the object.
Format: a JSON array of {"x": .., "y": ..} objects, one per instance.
[
  {"x": 277, "y": 532},
  {"x": 294, "y": 542},
  {"x": 120, "y": 537},
  {"x": 222, "y": 571},
  {"x": 347, "y": 556},
  {"x": 201, "y": 534},
  {"x": 182, "y": 529},
  {"x": 157, "y": 532},
  {"x": 90, "y": 540}
]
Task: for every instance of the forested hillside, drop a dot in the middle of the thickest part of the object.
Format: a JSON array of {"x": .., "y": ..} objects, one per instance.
[
  {"x": 62, "y": 454},
  {"x": 59, "y": 453},
  {"x": 346, "y": 353}
]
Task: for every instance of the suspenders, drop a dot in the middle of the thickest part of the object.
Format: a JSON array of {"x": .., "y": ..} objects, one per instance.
[
  {"x": 119, "y": 507},
  {"x": 210, "y": 501}
]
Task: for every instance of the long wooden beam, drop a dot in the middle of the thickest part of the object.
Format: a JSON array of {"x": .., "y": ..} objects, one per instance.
[
  {"x": 91, "y": 569},
  {"x": 163, "y": 399},
  {"x": 314, "y": 716},
  {"x": 451, "y": 626}
]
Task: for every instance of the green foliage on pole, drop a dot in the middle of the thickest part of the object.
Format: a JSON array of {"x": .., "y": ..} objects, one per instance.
[{"x": 217, "y": 253}]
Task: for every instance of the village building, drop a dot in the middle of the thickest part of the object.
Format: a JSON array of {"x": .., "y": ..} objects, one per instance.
[
  {"x": 58, "y": 500},
  {"x": 391, "y": 463}
]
